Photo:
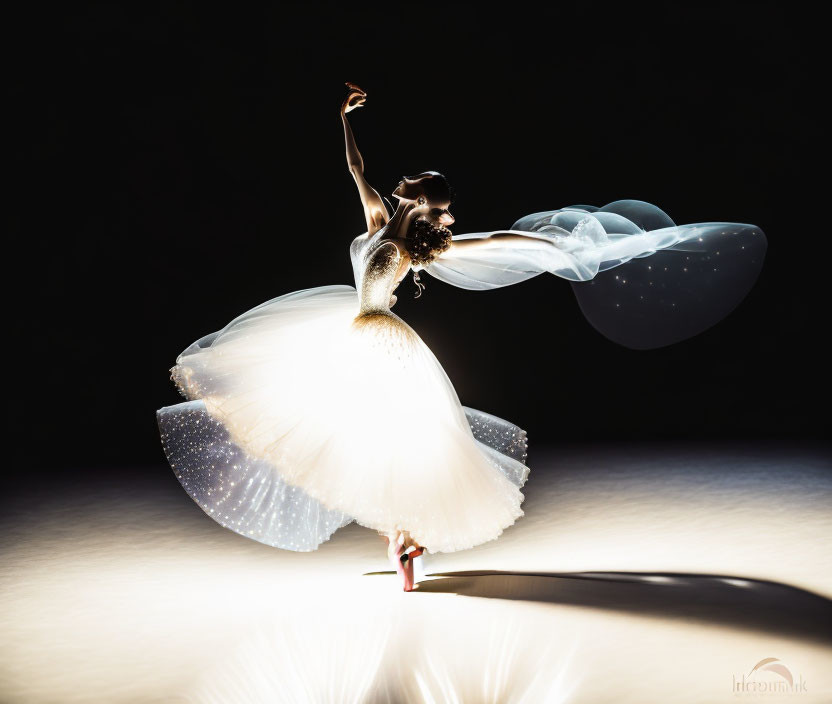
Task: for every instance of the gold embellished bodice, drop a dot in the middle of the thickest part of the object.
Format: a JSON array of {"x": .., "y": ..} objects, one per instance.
[{"x": 375, "y": 264}]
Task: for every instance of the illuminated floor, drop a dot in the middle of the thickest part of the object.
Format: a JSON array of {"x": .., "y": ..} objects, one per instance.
[{"x": 637, "y": 575}]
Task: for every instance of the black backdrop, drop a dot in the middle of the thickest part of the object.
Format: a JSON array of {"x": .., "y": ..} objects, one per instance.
[{"x": 179, "y": 166}]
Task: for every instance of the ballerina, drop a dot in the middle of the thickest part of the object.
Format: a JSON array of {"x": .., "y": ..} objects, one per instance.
[{"x": 322, "y": 406}]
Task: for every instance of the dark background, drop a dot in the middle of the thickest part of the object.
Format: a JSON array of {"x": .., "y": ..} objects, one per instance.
[{"x": 174, "y": 167}]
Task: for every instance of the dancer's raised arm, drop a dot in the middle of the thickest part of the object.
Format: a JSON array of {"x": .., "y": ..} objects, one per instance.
[{"x": 375, "y": 211}]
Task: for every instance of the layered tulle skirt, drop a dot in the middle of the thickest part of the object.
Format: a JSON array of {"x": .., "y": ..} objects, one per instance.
[{"x": 305, "y": 416}]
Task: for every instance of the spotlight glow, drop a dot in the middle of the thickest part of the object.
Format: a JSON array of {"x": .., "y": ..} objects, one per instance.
[{"x": 132, "y": 594}]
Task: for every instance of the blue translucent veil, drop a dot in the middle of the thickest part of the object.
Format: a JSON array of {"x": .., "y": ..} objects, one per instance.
[{"x": 640, "y": 279}]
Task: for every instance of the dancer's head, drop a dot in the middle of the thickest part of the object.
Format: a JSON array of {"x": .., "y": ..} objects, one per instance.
[
  {"x": 429, "y": 196},
  {"x": 430, "y": 193}
]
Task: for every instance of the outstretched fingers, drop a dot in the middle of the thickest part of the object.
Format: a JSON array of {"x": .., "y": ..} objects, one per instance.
[{"x": 355, "y": 98}]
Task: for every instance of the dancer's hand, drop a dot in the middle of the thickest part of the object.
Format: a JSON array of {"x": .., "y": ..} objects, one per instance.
[{"x": 355, "y": 98}]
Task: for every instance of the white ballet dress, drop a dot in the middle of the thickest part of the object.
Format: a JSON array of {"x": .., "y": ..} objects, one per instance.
[{"x": 321, "y": 407}]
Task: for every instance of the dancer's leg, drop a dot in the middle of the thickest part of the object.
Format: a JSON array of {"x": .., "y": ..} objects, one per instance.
[
  {"x": 408, "y": 574},
  {"x": 395, "y": 549},
  {"x": 398, "y": 542}
]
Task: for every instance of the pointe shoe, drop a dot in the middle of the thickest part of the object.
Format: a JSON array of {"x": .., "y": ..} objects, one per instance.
[{"x": 413, "y": 553}]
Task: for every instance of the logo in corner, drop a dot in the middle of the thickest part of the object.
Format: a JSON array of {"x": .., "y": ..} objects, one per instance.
[{"x": 758, "y": 681}]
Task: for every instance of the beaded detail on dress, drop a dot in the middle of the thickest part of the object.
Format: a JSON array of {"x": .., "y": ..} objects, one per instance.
[{"x": 378, "y": 278}]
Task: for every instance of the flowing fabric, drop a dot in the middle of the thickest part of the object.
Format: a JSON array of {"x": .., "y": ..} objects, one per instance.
[
  {"x": 321, "y": 416},
  {"x": 248, "y": 496},
  {"x": 238, "y": 491},
  {"x": 702, "y": 271},
  {"x": 321, "y": 406}
]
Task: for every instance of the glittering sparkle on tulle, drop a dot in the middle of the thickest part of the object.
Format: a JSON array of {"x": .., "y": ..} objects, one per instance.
[
  {"x": 248, "y": 496},
  {"x": 504, "y": 443},
  {"x": 241, "y": 493}
]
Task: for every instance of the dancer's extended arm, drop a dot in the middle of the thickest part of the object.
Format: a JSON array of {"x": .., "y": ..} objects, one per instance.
[
  {"x": 375, "y": 211},
  {"x": 496, "y": 240}
]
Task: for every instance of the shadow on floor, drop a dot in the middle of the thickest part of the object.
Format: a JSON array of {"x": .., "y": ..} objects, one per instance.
[{"x": 731, "y": 601}]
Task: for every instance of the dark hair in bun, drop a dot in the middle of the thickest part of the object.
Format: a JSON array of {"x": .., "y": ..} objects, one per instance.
[{"x": 426, "y": 241}]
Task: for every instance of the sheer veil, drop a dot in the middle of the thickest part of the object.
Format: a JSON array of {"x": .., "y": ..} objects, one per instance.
[{"x": 640, "y": 279}]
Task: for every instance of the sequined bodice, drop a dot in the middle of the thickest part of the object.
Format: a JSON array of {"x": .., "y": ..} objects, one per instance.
[{"x": 375, "y": 263}]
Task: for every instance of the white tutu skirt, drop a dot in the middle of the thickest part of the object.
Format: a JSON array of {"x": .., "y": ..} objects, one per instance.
[{"x": 304, "y": 416}]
